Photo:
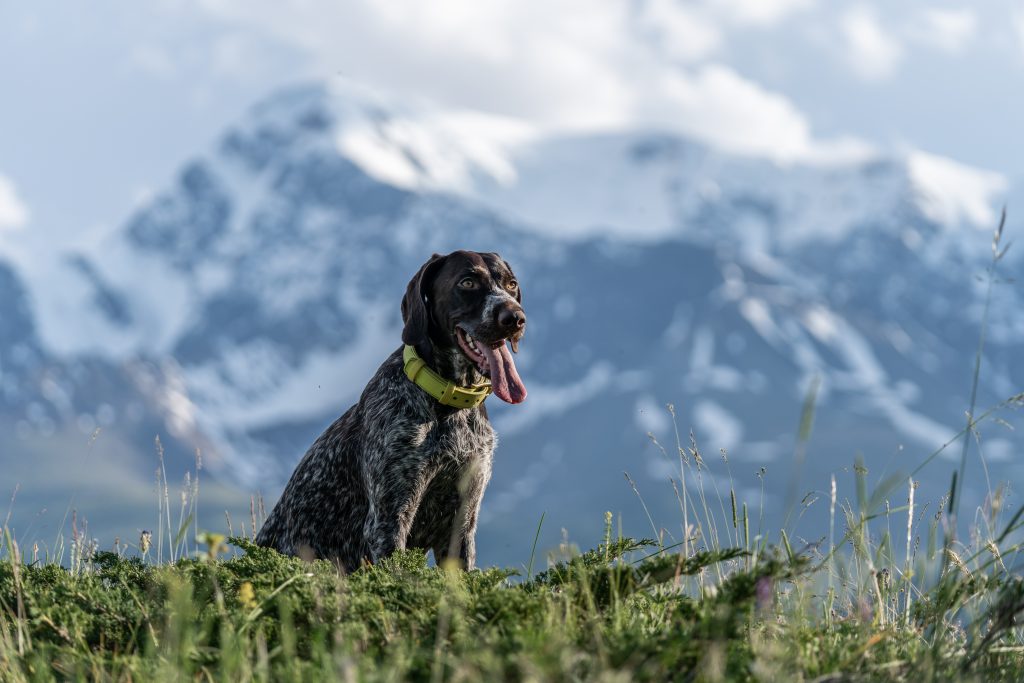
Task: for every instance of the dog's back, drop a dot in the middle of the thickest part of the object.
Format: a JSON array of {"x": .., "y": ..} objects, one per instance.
[{"x": 324, "y": 507}]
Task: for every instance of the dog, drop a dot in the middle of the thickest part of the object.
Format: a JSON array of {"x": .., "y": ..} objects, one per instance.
[{"x": 406, "y": 466}]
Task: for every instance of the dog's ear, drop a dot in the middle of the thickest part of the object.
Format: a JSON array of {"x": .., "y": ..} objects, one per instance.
[
  {"x": 416, "y": 306},
  {"x": 519, "y": 289}
]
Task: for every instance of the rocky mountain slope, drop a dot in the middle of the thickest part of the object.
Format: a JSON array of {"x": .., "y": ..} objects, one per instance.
[{"x": 244, "y": 308}]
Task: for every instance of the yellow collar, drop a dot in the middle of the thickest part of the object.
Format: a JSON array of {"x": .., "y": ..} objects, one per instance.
[{"x": 446, "y": 392}]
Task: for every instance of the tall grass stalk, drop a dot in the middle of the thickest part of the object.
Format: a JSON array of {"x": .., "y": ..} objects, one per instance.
[
  {"x": 958, "y": 482},
  {"x": 682, "y": 482},
  {"x": 804, "y": 431},
  {"x": 831, "y": 540},
  {"x": 908, "y": 575}
]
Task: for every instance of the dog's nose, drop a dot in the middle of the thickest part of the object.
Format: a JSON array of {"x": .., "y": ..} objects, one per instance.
[{"x": 511, "y": 319}]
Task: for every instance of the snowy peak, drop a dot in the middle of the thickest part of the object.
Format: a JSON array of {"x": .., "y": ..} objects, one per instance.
[
  {"x": 643, "y": 186},
  {"x": 406, "y": 145},
  {"x": 632, "y": 186},
  {"x": 952, "y": 193}
]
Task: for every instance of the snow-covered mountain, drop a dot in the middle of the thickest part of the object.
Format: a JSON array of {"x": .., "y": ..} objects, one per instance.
[{"x": 245, "y": 307}]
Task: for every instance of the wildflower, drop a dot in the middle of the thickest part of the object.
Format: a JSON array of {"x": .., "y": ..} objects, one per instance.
[
  {"x": 247, "y": 596},
  {"x": 864, "y": 611},
  {"x": 214, "y": 545},
  {"x": 145, "y": 541},
  {"x": 764, "y": 592}
]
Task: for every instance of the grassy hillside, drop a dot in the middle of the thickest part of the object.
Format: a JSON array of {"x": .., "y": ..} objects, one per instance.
[{"x": 872, "y": 603}]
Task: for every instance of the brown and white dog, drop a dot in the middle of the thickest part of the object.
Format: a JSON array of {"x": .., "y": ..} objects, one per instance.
[{"x": 400, "y": 469}]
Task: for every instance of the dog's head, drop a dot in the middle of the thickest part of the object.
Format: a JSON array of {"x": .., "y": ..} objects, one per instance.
[{"x": 459, "y": 311}]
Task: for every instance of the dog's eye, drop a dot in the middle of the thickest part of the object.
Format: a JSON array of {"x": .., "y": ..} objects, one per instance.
[
  {"x": 467, "y": 283},
  {"x": 512, "y": 286}
]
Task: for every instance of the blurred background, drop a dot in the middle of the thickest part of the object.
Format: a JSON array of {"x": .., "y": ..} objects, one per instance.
[{"x": 209, "y": 210}]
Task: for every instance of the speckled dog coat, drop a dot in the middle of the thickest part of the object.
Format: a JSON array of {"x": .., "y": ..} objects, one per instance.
[{"x": 399, "y": 469}]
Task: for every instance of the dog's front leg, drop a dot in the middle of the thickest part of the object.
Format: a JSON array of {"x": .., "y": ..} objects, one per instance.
[
  {"x": 394, "y": 497},
  {"x": 461, "y": 541}
]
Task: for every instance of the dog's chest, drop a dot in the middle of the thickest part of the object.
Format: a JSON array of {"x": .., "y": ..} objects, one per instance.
[{"x": 458, "y": 438}]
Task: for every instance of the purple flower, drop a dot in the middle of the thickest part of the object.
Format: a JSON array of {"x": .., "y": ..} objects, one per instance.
[{"x": 764, "y": 591}]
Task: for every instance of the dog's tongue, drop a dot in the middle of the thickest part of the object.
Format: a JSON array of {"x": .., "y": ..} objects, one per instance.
[{"x": 504, "y": 379}]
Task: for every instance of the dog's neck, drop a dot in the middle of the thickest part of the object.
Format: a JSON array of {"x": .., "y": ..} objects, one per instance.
[{"x": 451, "y": 364}]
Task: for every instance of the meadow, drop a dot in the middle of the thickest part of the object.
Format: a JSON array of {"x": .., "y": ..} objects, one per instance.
[
  {"x": 906, "y": 586},
  {"x": 892, "y": 594}
]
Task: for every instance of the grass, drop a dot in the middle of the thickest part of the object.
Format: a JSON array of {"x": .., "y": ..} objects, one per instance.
[
  {"x": 628, "y": 610},
  {"x": 892, "y": 593}
]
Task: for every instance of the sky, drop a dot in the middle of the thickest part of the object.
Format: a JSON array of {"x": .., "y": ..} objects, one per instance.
[{"x": 101, "y": 102}]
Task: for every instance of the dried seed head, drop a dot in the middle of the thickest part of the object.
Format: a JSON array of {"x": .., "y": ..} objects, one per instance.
[
  {"x": 994, "y": 549},
  {"x": 145, "y": 541},
  {"x": 957, "y": 562}
]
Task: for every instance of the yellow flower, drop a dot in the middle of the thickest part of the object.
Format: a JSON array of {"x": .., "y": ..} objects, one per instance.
[
  {"x": 214, "y": 545},
  {"x": 246, "y": 595}
]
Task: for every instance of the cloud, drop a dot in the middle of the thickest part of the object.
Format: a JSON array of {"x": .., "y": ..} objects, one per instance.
[
  {"x": 1017, "y": 22},
  {"x": 680, "y": 31},
  {"x": 695, "y": 29},
  {"x": 555, "y": 64},
  {"x": 716, "y": 104},
  {"x": 152, "y": 61},
  {"x": 949, "y": 30},
  {"x": 13, "y": 212},
  {"x": 952, "y": 193},
  {"x": 871, "y": 52},
  {"x": 762, "y": 12}
]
